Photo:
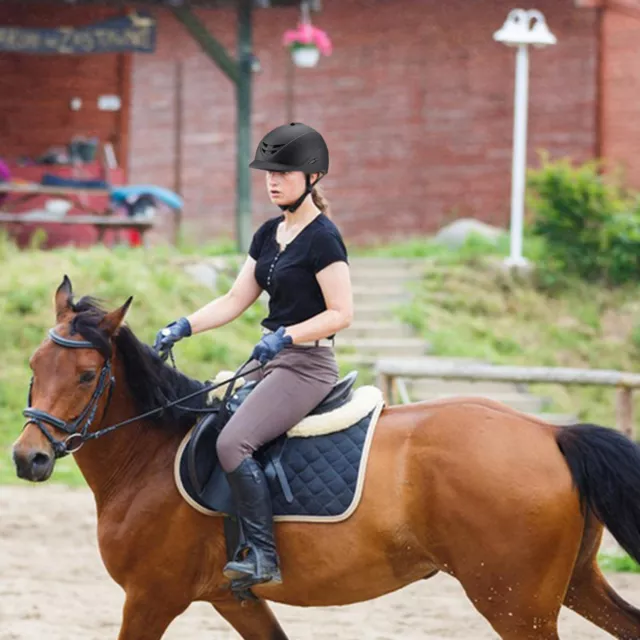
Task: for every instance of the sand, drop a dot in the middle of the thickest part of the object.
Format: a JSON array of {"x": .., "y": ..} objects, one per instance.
[{"x": 53, "y": 585}]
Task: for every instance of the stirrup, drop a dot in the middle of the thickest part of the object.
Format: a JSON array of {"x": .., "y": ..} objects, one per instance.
[
  {"x": 240, "y": 567},
  {"x": 250, "y": 569},
  {"x": 244, "y": 584}
]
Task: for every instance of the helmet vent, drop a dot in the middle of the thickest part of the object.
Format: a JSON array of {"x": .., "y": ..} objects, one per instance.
[{"x": 270, "y": 149}]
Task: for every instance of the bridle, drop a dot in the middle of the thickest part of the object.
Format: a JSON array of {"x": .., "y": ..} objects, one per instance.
[{"x": 78, "y": 433}]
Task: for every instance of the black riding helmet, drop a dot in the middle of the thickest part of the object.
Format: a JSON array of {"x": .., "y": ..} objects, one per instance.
[{"x": 293, "y": 147}]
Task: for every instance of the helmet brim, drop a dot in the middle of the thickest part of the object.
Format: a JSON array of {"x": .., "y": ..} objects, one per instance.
[{"x": 265, "y": 165}]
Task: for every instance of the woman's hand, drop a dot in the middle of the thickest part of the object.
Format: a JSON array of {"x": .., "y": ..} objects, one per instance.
[
  {"x": 172, "y": 333},
  {"x": 270, "y": 345}
]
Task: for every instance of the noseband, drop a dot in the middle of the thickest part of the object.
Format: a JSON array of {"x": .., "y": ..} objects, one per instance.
[{"x": 78, "y": 432}]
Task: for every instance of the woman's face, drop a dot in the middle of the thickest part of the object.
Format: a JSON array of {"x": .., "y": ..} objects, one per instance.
[{"x": 285, "y": 187}]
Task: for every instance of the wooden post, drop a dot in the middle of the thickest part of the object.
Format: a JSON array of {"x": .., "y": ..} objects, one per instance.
[
  {"x": 243, "y": 126},
  {"x": 121, "y": 142},
  {"x": 401, "y": 388},
  {"x": 207, "y": 42},
  {"x": 240, "y": 73},
  {"x": 624, "y": 411},
  {"x": 393, "y": 390},
  {"x": 385, "y": 385}
]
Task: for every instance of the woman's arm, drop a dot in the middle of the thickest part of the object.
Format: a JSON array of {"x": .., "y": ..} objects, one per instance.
[
  {"x": 335, "y": 283},
  {"x": 244, "y": 292}
]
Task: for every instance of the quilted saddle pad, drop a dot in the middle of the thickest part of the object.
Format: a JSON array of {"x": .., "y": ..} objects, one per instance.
[{"x": 317, "y": 478}]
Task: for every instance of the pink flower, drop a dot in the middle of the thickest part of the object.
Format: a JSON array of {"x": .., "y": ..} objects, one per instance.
[{"x": 308, "y": 34}]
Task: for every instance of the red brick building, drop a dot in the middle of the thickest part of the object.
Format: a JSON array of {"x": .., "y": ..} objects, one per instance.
[{"x": 415, "y": 103}]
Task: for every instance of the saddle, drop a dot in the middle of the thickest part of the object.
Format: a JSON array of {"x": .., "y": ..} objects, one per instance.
[
  {"x": 202, "y": 446},
  {"x": 313, "y": 470}
]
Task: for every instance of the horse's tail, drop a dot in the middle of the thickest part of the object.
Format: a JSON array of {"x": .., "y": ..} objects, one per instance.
[{"x": 605, "y": 466}]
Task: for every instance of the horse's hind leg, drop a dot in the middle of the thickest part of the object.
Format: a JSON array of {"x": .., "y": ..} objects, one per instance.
[
  {"x": 519, "y": 621},
  {"x": 520, "y": 593},
  {"x": 253, "y": 620},
  {"x": 515, "y": 605},
  {"x": 591, "y": 596}
]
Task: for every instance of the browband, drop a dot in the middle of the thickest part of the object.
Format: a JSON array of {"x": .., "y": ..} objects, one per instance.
[{"x": 73, "y": 344}]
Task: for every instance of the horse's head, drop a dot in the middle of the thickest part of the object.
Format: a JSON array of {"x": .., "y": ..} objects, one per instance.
[{"x": 70, "y": 386}]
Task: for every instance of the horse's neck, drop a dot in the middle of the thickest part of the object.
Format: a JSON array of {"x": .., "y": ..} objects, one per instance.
[{"x": 115, "y": 464}]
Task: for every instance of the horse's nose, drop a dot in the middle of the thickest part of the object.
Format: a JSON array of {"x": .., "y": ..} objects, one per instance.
[{"x": 33, "y": 464}]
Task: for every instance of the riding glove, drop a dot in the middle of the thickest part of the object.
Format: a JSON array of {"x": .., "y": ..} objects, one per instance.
[
  {"x": 271, "y": 345},
  {"x": 167, "y": 337}
]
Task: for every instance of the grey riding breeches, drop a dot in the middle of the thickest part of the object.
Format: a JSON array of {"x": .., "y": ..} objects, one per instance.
[{"x": 291, "y": 385}]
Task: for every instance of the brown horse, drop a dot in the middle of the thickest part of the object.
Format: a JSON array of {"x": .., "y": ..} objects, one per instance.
[{"x": 509, "y": 505}]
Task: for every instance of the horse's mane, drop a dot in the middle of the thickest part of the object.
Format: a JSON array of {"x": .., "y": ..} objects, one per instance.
[{"x": 151, "y": 381}]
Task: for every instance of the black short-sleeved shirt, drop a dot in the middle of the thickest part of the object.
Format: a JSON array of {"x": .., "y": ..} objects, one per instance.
[{"x": 289, "y": 276}]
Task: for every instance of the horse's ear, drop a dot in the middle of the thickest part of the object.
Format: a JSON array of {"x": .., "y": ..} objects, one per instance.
[
  {"x": 114, "y": 319},
  {"x": 62, "y": 299}
]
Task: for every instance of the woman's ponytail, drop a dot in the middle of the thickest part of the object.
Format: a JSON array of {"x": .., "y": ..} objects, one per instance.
[{"x": 320, "y": 200}]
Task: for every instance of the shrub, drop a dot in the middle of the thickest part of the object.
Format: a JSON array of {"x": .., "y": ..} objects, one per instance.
[{"x": 590, "y": 225}]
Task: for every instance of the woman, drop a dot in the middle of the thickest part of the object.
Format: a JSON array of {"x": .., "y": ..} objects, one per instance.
[{"x": 299, "y": 258}]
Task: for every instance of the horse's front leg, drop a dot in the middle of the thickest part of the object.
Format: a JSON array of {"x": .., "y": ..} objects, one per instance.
[
  {"x": 253, "y": 620},
  {"x": 146, "y": 615}
]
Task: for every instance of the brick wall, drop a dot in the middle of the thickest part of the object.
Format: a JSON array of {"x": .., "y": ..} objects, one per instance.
[
  {"x": 35, "y": 90},
  {"x": 621, "y": 89},
  {"x": 415, "y": 103}
]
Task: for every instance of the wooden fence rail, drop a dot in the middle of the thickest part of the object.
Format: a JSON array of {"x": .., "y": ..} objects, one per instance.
[{"x": 391, "y": 372}]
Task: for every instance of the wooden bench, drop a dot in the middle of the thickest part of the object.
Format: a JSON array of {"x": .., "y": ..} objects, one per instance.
[
  {"x": 101, "y": 223},
  {"x": 102, "y": 217},
  {"x": 22, "y": 192}
]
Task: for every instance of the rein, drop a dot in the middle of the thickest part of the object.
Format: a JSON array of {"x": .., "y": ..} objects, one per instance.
[{"x": 78, "y": 436}]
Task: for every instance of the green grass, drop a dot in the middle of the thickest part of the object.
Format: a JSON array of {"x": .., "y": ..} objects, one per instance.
[
  {"x": 222, "y": 247},
  {"x": 427, "y": 247},
  {"x": 619, "y": 563}
]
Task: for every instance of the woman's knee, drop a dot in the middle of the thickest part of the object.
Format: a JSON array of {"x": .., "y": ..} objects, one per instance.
[{"x": 231, "y": 449}]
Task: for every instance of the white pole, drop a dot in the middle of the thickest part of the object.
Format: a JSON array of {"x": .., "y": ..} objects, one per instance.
[{"x": 519, "y": 166}]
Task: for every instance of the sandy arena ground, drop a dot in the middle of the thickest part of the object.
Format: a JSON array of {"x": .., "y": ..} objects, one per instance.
[{"x": 53, "y": 585}]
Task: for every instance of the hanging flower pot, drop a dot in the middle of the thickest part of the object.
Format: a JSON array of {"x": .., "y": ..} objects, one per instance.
[
  {"x": 305, "y": 55},
  {"x": 306, "y": 44}
]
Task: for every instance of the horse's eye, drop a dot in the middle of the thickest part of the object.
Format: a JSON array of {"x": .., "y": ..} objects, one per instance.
[{"x": 87, "y": 376}]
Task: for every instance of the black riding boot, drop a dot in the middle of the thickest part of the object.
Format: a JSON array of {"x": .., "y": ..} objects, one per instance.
[{"x": 257, "y": 562}]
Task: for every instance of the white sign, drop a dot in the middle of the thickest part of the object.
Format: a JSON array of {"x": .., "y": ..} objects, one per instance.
[{"x": 109, "y": 103}]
